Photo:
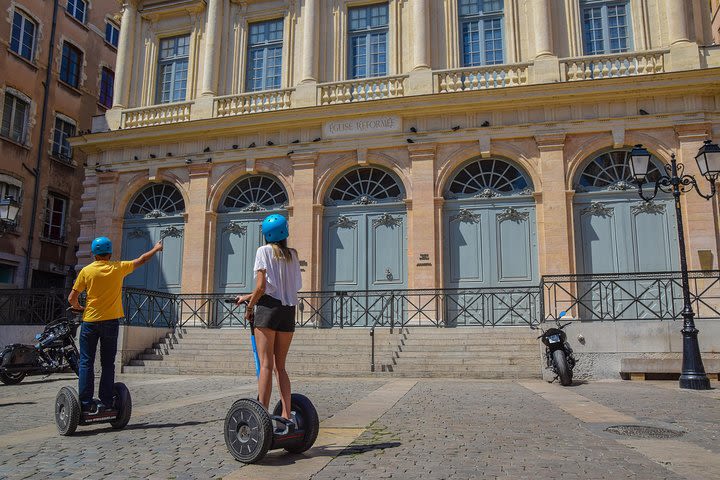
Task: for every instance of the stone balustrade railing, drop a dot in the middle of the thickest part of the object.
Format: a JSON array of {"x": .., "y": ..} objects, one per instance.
[
  {"x": 361, "y": 90},
  {"x": 481, "y": 78},
  {"x": 612, "y": 66},
  {"x": 156, "y": 115},
  {"x": 254, "y": 102}
]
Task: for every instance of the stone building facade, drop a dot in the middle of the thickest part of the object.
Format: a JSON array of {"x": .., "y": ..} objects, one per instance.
[
  {"x": 412, "y": 143},
  {"x": 40, "y": 169}
]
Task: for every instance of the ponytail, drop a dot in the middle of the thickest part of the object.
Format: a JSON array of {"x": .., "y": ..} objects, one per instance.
[{"x": 281, "y": 250}]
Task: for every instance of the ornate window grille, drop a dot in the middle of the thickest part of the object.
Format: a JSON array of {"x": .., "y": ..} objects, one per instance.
[
  {"x": 365, "y": 186},
  {"x": 611, "y": 171},
  {"x": 254, "y": 194},
  {"x": 489, "y": 178},
  {"x": 154, "y": 201}
]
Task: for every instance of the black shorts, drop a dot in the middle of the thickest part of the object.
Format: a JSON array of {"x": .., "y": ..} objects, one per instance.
[{"x": 271, "y": 313}]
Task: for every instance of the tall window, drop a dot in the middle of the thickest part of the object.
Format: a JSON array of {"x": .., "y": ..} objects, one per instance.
[
  {"x": 606, "y": 26},
  {"x": 264, "y": 56},
  {"x": 77, "y": 9},
  {"x": 60, "y": 146},
  {"x": 367, "y": 40},
  {"x": 55, "y": 212},
  {"x": 112, "y": 34},
  {"x": 106, "y": 87},
  {"x": 173, "y": 69},
  {"x": 481, "y": 31},
  {"x": 70, "y": 66},
  {"x": 15, "y": 118},
  {"x": 22, "y": 38}
]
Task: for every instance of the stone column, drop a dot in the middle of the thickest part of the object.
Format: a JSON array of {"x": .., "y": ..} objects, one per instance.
[
  {"x": 302, "y": 231},
  {"x": 420, "y": 34},
  {"x": 546, "y": 66},
  {"x": 310, "y": 45},
  {"x": 684, "y": 54},
  {"x": 125, "y": 56},
  {"x": 423, "y": 271},
  {"x": 554, "y": 207},
  {"x": 702, "y": 238},
  {"x": 196, "y": 235},
  {"x": 212, "y": 48}
]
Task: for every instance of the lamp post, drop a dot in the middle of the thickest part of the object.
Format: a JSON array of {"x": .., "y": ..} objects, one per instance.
[
  {"x": 9, "y": 208},
  {"x": 676, "y": 182}
]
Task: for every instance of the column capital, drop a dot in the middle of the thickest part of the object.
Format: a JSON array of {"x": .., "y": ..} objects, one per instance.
[
  {"x": 550, "y": 142},
  {"x": 693, "y": 132},
  {"x": 304, "y": 159},
  {"x": 421, "y": 149},
  {"x": 199, "y": 170},
  {"x": 107, "y": 178}
]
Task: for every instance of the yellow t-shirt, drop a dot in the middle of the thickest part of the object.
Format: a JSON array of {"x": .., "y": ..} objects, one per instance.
[{"x": 103, "y": 281}]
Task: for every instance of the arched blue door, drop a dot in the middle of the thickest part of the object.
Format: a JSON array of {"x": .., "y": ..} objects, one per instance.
[
  {"x": 239, "y": 235},
  {"x": 365, "y": 242},
  {"x": 617, "y": 232},
  {"x": 490, "y": 243}
]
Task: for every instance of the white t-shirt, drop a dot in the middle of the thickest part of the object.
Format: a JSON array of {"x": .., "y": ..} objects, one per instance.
[{"x": 283, "y": 277}]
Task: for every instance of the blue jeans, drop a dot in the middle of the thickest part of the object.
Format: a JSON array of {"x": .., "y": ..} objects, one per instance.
[{"x": 107, "y": 333}]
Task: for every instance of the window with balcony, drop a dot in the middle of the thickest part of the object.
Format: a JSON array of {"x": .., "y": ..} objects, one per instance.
[
  {"x": 107, "y": 79},
  {"x": 77, "y": 9},
  {"x": 22, "y": 37},
  {"x": 60, "y": 146},
  {"x": 264, "y": 56},
  {"x": 173, "y": 69},
  {"x": 15, "y": 118},
  {"x": 70, "y": 65},
  {"x": 112, "y": 34},
  {"x": 606, "y": 27},
  {"x": 55, "y": 213},
  {"x": 367, "y": 41},
  {"x": 481, "y": 32}
]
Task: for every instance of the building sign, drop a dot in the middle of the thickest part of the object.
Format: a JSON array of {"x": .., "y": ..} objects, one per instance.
[{"x": 362, "y": 126}]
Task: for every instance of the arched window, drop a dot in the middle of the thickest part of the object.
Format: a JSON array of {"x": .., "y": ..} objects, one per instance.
[
  {"x": 254, "y": 194},
  {"x": 488, "y": 178},
  {"x": 611, "y": 171},
  {"x": 155, "y": 201},
  {"x": 364, "y": 186}
]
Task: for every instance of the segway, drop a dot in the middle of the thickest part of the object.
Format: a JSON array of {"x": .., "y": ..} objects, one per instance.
[
  {"x": 69, "y": 414},
  {"x": 250, "y": 431}
]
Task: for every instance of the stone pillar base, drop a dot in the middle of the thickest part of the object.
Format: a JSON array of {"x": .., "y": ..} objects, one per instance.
[
  {"x": 305, "y": 95},
  {"x": 113, "y": 117},
  {"x": 202, "y": 108},
  {"x": 684, "y": 56},
  {"x": 420, "y": 82},
  {"x": 546, "y": 69}
]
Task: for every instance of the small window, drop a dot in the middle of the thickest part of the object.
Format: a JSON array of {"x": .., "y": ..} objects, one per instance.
[
  {"x": 22, "y": 38},
  {"x": 173, "y": 69},
  {"x": 15, "y": 118},
  {"x": 7, "y": 273},
  {"x": 55, "y": 212},
  {"x": 70, "y": 67},
  {"x": 8, "y": 190},
  {"x": 77, "y": 9},
  {"x": 367, "y": 41},
  {"x": 481, "y": 31},
  {"x": 606, "y": 27},
  {"x": 106, "y": 87},
  {"x": 60, "y": 146},
  {"x": 112, "y": 34},
  {"x": 264, "y": 56}
]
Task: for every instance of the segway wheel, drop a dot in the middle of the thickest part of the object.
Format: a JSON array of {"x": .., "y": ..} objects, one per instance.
[
  {"x": 67, "y": 411},
  {"x": 307, "y": 420},
  {"x": 123, "y": 402},
  {"x": 248, "y": 431}
]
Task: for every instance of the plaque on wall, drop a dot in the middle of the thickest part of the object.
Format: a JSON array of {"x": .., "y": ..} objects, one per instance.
[{"x": 362, "y": 126}]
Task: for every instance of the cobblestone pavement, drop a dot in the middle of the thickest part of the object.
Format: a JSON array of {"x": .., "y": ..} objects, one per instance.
[{"x": 439, "y": 429}]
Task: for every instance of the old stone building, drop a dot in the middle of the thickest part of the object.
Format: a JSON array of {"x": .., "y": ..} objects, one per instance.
[
  {"x": 38, "y": 168},
  {"x": 412, "y": 143}
]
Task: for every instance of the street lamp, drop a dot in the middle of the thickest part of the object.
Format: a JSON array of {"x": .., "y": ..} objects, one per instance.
[
  {"x": 708, "y": 159},
  {"x": 9, "y": 209}
]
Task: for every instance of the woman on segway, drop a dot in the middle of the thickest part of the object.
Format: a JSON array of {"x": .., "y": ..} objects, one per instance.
[{"x": 271, "y": 306}]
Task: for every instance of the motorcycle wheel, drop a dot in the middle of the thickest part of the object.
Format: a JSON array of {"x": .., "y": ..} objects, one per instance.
[
  {"x": 12, "y": 378},
  {"x": 562, "y": 368}
]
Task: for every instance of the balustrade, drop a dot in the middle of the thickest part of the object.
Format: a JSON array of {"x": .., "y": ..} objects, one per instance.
[
  {"x": 156, "y": 115},
  {"x": 362, "y": 90},
  {"x": 254, "y": 102},
  {"x": 481, "y": 78},
  {"x": 612, "y": 66}
]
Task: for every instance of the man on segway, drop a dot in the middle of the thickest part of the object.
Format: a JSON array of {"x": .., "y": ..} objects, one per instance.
[{"x": 102, "y": 280}]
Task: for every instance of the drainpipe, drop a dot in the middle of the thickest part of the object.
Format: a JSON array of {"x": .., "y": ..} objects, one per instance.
[{"x": 41, "y": 144}]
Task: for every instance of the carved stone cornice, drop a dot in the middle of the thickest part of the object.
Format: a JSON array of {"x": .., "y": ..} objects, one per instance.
[
  {"x": 550, "y": 142},
  {"x": 693, "y": 132},
  {"x": 421, "y": 149},
  {"x": 107, "y": 178},
  {"x": 304, "y": 159},
  {"x": 199, "y": 170}
]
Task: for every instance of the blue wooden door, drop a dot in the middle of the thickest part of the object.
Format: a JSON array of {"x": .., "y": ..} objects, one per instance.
[{"x": 164, "y": 270}]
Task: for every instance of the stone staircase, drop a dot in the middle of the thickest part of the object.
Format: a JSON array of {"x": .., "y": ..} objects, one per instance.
[{"x": 499, "y": 352}]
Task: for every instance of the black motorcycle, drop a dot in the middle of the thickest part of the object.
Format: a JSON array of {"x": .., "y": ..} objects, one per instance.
[
  {"x": 54, "y": 352},
  {"x": 558, "y": 354}
]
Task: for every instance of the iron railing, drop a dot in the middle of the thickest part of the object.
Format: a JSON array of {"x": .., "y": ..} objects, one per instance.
[
  {"x": 630, "y": 296},
  {"x": 32, "y": 306}
]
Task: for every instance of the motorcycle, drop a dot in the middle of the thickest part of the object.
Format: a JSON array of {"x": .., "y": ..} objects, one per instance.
[
  {"x": 558, "y": 354},
  {"x": 54, "y": 352}
]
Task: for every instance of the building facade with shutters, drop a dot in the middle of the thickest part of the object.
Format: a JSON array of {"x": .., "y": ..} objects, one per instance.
[
  {"x": 38, "y": 168},
  {"x": 412, "y": 143}
]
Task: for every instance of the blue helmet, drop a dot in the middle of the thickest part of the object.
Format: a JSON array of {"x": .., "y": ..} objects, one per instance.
[
  {"x": 275, "y": 228},
  {"x": 101, "y": 246}
]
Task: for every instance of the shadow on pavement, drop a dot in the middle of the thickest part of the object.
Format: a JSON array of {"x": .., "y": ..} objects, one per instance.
[
  {"x": 283, "y": 458},
  {"x": 43, "y": 380},
  {"x": 144, "y": 426},
  {"x": 11, "y": 404}
]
